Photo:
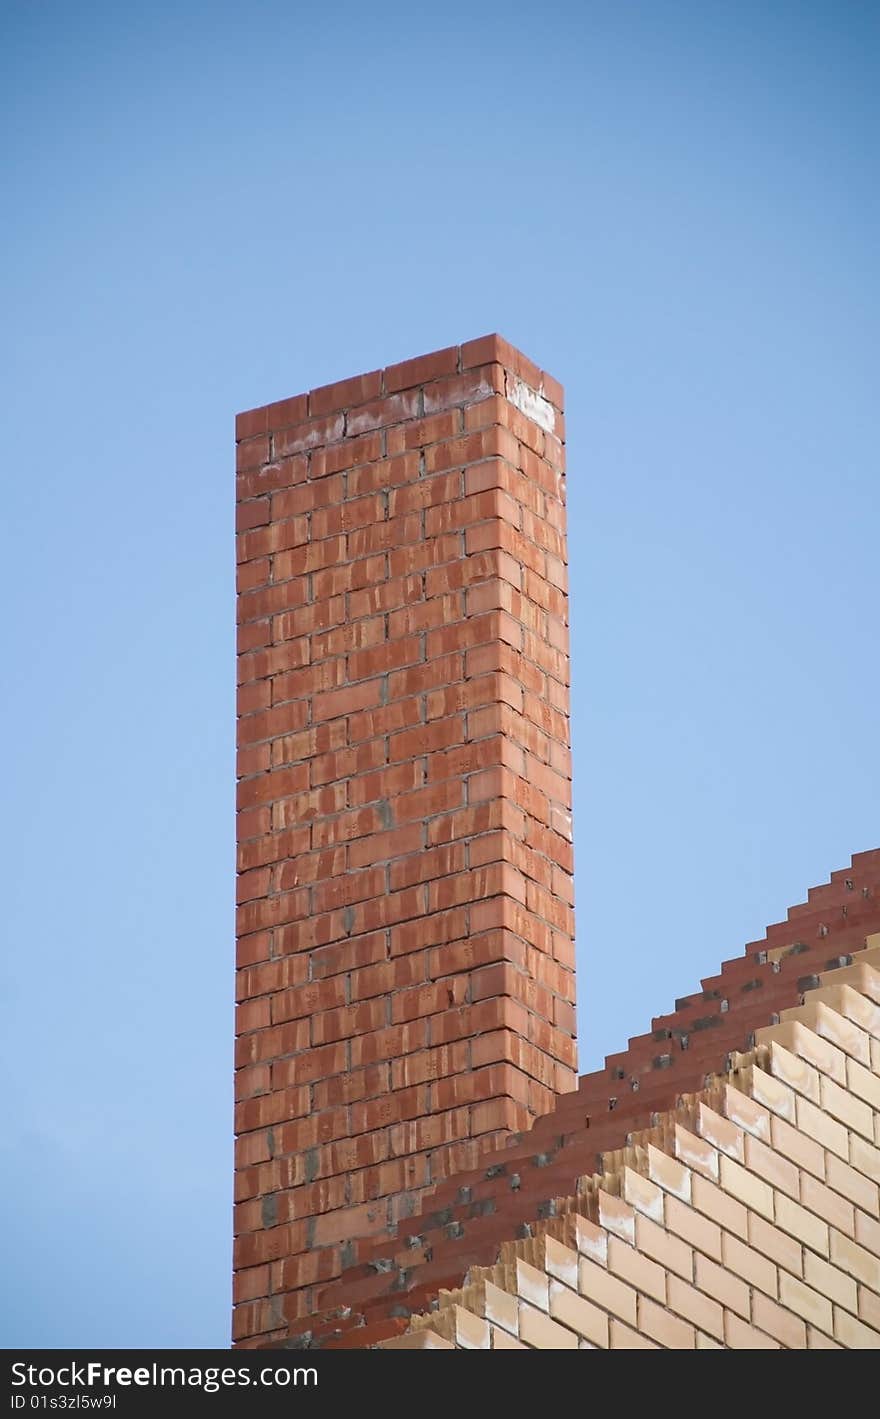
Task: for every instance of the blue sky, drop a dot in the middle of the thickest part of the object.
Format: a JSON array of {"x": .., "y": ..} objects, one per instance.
[{"x": 673, "y": 208}]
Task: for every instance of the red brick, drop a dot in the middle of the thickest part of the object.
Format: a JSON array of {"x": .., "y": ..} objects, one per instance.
[
  {"x": 417, "y": 434},
  {"x": 360, "y": 823},
  {"x": 251, "y": 514},
  {"x": 438, "y": 927},
  {"x": 250, "y": 453},
  {"x": 426, "y": 738},
  {"x": 270, "y": 477},
  {"x": 286, "y": 412},
  {"x": 426, "y": 802},
  {"x": 350, "y": 576},
  {"x": 426, "y": 493},
  {"x": 252, "y": 574},
  {"x": 342, "y": 891},
  {"x": 347, "y": 700},
  {"x": 389, "y": 1043},
  {"x": 379, "y": 659},
  {"x": 382, "y": 413},
  {"x": 253, "y": 697},
  {"x": 389, "y": 782},
  {"x": 424, "y": 866},
  {"x": 306, "y": 497},
  {"x": 330, "y": 397},
  {"x": 472, "y": 387},
  {"x": 252, "y": 423},
  {"x": 493, "y": 442},
  {"x": 385, "y": 473},
  {"x": 410, "y": 373},
  {"x": 489, "y": 348},
  {"x": 388, "y": 975},
  {"x": 268, "y": 600},
  {"x": 426, "y": 552},
  {"x": 382, "y": 847},
  {"x": 349, "y": 955}
]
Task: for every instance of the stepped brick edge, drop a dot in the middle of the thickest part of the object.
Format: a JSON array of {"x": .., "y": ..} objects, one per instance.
[{"x": 747, "y": 1217}]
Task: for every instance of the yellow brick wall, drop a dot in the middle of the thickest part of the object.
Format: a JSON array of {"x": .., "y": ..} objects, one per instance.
[{"x": 747, "y": 1218}]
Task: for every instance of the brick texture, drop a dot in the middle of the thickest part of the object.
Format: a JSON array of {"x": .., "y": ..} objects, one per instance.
[
  {"x": 405, "y": 979},
  {"x": 593, "y": 1277},
  {"x": 463, "y": 1221}
]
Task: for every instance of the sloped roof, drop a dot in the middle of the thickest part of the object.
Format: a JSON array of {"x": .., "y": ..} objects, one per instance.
[
  {"x": 517, "y": 1188},
  {"x": 746, "y": 1218}
]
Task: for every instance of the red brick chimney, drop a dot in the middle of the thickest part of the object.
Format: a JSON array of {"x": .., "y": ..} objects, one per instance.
[{"x": 405, "y": 934}]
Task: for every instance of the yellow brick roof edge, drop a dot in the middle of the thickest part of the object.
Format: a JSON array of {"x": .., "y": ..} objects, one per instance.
[{"x": 747, "y": 1217}]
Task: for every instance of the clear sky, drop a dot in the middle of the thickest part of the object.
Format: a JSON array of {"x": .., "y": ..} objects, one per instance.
[{"x": 672, "y": 205}]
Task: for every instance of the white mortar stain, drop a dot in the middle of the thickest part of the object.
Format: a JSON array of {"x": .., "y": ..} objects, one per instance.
[
  {"x": 594, "y": 1247},
  {"x": 531, "y": 403}
]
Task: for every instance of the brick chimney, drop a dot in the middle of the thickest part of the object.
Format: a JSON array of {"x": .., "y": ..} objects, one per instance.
[{"x": 405, "y": 936}]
